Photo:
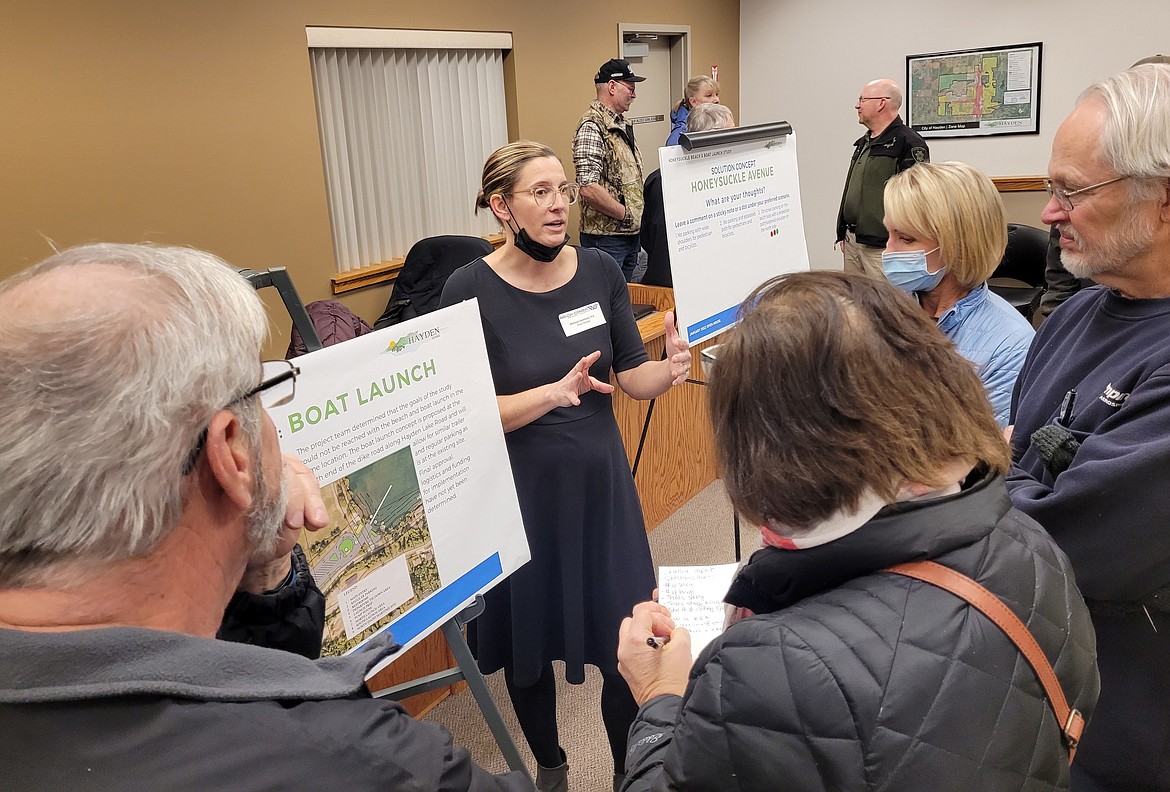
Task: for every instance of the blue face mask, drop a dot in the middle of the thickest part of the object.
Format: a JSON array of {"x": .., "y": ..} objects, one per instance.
[{"x": 907, "y": 270}]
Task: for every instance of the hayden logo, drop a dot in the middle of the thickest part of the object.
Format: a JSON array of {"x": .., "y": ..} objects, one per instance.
[
  {"x": 412, "y": 338},
  {"x": 1112, "y": 396}
]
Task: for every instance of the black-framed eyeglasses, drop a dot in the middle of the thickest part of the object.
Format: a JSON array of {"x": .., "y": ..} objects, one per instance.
[
  {"x": 545, "y": 196},
  {"x": 278, "y": 385},
  {"x": 629, "y": 85},
  {"x": 861, "y": 99},
  {"x": 1064, "y": 197}
]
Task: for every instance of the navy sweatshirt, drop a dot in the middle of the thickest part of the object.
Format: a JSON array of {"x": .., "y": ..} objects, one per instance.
[{"x": 1109, "y": 510}]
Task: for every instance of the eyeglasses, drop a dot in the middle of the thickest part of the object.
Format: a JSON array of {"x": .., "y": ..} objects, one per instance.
[
  {"x": 629, "y": 85},
  {"x": 1064, "y": 197},
  {"x": 861, "y": 99},
  {"x": 545, "y": 196},
  {"x": 278, "y": 385}
]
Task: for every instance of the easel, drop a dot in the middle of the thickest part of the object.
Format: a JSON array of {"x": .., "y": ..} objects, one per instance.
[
  {"x": 466, "y": 669},
  {"x": 642, "y": 445},
  {"x": 699, "y": 140}
]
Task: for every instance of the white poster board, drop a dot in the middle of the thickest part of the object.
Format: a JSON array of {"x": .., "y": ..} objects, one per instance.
[
  {"x": 733, "y": 220},
  {"x": 402, "y": 429}
]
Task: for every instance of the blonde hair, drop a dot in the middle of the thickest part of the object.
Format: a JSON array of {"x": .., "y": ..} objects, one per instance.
[
  {"x": 958, "y": 207},
  {"x": 502, "y": 168},
  {"x": 694, "y": 86}
]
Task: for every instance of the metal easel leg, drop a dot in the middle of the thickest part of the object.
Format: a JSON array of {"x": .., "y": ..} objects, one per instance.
[
  {"x": 642, "y": 439},
  {"x": 491, "y": 713}
]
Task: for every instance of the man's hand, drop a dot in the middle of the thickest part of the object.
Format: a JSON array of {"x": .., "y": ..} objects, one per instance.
[
  {"x": 304, "y": 509},
  {"x": 651, "y": 671}
]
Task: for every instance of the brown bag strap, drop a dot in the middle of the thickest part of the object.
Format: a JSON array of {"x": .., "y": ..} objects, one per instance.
[{"x": 1072, "y": 723}]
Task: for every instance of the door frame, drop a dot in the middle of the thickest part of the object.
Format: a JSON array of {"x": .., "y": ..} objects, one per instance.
[{"x": 680, "y": 46}]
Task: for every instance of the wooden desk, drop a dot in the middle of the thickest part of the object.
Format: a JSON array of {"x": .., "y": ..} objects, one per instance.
[{"x": 679, "y": 457}]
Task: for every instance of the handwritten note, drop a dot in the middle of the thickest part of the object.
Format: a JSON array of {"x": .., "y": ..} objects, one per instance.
[{"x": 694, "y": 595}]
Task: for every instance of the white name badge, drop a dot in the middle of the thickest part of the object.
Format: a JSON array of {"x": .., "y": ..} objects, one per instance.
[{"x": 581, "y": 319}]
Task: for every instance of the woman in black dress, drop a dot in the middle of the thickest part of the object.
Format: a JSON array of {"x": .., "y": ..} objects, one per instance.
[{"x": 557, "y": 320}]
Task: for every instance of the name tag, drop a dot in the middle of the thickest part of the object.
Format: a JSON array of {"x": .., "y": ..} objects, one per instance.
[{"x": 581, "y": 319}]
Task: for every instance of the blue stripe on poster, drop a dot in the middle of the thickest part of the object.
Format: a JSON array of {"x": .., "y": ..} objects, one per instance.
[
  {"x": 720, "y": 321},
  {"x": 432, "y": 612}
]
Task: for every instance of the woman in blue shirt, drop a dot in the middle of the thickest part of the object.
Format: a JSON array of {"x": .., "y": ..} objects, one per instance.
[{"x": 948, "y": 232}]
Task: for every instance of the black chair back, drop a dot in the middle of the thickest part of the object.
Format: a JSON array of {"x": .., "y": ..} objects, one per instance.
[
  {"x": 428, "y": 265},
  {"x": 1019, "y": 278}
]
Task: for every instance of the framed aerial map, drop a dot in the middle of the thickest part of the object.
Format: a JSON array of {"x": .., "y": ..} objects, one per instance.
[{"x": 988, "y": 91}]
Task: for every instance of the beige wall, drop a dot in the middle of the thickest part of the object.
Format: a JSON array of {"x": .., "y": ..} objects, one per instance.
[
  {"x": 805, "y": 61},
  {"x": 1025, "y": 207},
  {"x": 194, "y": 123}
]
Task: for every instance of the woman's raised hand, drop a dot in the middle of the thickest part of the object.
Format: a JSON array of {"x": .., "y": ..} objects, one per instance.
[
  {"x": 569, "y": 388},
  {"x": 679, "y": 351}
]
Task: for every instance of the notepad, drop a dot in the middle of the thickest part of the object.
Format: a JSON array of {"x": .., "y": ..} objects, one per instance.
[{"x": 694, "y": 595}]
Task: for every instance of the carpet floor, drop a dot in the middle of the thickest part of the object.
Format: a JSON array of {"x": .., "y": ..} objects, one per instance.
[{"x": 700, "y": 532}]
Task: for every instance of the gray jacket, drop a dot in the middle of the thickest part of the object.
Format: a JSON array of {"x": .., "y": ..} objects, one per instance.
[{"x": 135, "y": 709}]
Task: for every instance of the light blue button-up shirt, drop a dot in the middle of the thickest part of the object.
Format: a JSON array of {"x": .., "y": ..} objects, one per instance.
[{"x": 994, "y": 336}]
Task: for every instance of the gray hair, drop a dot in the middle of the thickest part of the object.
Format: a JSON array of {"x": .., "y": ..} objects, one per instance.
[
  {"x": 113, "y": 358},
  {"x": 1136, "y": 139},
  {"x": 705, "y": 117}
]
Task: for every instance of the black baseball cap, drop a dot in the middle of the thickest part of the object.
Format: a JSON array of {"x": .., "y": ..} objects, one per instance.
[{"x": 616, "y": 69}]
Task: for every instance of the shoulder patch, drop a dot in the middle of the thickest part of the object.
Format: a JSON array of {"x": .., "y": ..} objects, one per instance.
[{"x": 920, "y": 154}]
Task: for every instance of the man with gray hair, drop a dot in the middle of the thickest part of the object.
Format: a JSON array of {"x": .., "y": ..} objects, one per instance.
[
  {"x": 887, "y": 147},
  {"x": 1091, "y": 413},
  {"x": 142, "y": 482}
]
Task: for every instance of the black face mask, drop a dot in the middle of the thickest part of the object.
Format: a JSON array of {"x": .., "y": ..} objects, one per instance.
[
  {"x": 536, "y": 250},
  {"x": 533, "y": 249}
]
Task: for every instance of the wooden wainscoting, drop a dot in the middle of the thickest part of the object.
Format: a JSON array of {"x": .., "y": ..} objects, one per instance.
[{"x": 679, "y": 456}]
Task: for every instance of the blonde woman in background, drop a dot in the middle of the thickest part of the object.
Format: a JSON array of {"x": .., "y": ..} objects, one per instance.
[{"x": 702, "y": 89}]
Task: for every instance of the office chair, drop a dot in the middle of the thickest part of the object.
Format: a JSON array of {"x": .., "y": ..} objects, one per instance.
[
  {"x": 428, "y": 265},
  {"x": 1019, "y": 278}
]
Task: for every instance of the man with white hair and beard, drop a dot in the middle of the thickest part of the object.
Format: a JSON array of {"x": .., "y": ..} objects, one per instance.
[
  {"x": 142, "y": 483},
  {"x": 1091, "y": 438}
]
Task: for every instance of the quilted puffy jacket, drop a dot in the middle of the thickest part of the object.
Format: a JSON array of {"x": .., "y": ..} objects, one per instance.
[{"x": 851, "y": 678}]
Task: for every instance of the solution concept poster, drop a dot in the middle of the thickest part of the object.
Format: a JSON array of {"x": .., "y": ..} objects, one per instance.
[
  {"x": 733, "y": 220},
  {"x": 402, "y": 429}
]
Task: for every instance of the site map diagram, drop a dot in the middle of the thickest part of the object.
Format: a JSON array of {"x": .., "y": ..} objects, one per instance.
[
  {"x": 376, "y": 559},
  {"x": 983, "y": 92}
]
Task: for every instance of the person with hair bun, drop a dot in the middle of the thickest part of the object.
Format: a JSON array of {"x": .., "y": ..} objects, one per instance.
[
  {"x": 850, "y": 431},
  {"x": 948, "y": 232},
  {"x": 557, "y": 322},
  {"x": 702, "y": 89}
]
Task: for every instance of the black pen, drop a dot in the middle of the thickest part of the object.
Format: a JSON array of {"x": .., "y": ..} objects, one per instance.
[
  {"x": 657, "y": 643},
  {"x": 1066, "y": 408}
]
